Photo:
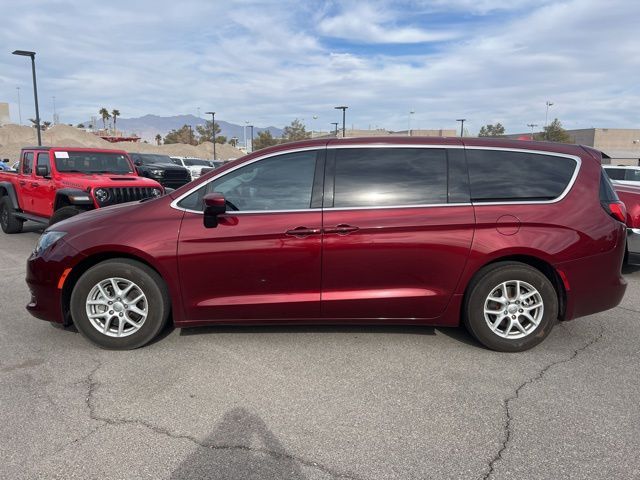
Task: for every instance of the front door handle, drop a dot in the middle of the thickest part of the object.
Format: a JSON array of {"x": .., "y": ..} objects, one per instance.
[
  {"x": 22, "y": 182},
  {"x": 301, "y": 232},
  {"x": 342, "y": 229},
  {"x": 35, "y": 184}
]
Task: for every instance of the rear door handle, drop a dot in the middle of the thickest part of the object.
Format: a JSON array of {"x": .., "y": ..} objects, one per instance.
[
  {"x": 303, "y": 231},
  {"x": 342, "y": 229}
]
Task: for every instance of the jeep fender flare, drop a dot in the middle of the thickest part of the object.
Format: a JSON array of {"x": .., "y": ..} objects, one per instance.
[
  {"x": 72, "y": 196},
  {"x": 6, "y": 188}
]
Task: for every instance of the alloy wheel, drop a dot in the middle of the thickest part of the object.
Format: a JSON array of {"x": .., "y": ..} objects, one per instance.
[{"x": 513, "y": 309}]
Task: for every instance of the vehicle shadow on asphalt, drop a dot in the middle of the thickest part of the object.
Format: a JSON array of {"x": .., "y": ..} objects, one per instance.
[
  {"x": 628, "y": 269},
  {"x": 241, "y": 447}
]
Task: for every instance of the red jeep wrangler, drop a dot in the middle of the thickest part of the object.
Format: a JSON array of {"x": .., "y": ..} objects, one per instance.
[{"x": 55, "y": 183}]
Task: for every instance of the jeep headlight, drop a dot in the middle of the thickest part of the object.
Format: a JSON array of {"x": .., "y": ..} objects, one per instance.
[
  {"x": 156, "y": 192},
  {"x": 46, "y": 240},
  {"x": 101, "y": 194},
  {"x": 157, "y": 173}
]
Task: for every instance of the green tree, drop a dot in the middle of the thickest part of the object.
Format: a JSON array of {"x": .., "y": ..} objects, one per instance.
[
  {"x": 116, "y": 114},
  {"x": 80, "y": 125},
  {"x": 183, "y": 134},
  {"x": 264, "y": 140},
  {"x": 205, "y": 133},
  {"x": 104, "y": 113},
  {"x": 295, "y": 131},
  {"x": 554, "y": 133},
  {"x": 491, "y": 130},
  {"x": 158, "y": 139}
]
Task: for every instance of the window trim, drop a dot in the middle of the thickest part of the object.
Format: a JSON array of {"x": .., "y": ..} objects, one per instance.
[{"x": 559, "y": 198}]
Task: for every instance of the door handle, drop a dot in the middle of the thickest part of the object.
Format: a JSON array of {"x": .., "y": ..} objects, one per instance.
[
  {"x": 342, "y": 229},
  {"x": 22, "y": 182},
  {"x": 303, "y": 232},
  {"x": 35, "y": 184}
]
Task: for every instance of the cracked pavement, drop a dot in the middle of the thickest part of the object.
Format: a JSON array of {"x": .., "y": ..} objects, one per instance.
[{"x": 316, "y": 402}]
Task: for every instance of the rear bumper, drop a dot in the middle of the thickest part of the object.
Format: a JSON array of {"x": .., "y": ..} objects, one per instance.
[{"x": 633, "y": 245}]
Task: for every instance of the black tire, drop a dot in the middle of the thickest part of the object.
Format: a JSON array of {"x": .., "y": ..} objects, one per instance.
[
  {"x": 148, "y": 281},
  {"x": 64, "y": 213},
  {"x": 8, "y": 220},
  {"x": 486, "y": 282}
]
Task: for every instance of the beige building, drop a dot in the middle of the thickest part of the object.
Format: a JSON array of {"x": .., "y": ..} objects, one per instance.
[{"x": 622, "y": 145}]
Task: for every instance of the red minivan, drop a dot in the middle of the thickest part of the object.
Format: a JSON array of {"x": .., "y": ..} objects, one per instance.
[{"x": 503, "y": 236}]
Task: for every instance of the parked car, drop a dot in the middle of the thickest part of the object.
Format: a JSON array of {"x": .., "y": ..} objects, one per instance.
[
  {"x": 626, "y": 175},
  {"x": 502, "y": 236},
  {"x": 53, "y": 184},
  {"x": 4, "y": 164},
  {"x": 196, "y": 166},
  {"x": 630, "y": 195},
  {"x": 161, "y": 169}
]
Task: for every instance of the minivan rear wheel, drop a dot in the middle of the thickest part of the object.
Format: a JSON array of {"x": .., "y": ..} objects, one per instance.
[
  {"x": 510, "y": 307},
  {"x": 120, "y": 304}
]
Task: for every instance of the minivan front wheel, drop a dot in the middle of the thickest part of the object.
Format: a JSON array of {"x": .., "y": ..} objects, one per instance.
[
  {"x": 510, "y": 307},
  {"x": 120, "y": 304}
]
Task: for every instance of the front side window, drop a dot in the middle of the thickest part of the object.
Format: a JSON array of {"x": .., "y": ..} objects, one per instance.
[
  {"x": 284, "y": 182},
  {"x": 498, "y": 176},
  {"x": 27, "y": 163},
  {"x": 372, "y": 177}
]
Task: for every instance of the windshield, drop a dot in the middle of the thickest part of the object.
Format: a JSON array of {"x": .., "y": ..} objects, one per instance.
[
  {"x": 92, "y": 162},
  {"x": 150, "y": 159},
  {"x": 191, "y": 162}
]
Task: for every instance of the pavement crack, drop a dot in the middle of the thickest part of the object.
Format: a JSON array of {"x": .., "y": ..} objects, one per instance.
[
  {"x": 506, "y": 404},
  {"x": 628, "y": 309},
  {"x": 92, "y": 387}
]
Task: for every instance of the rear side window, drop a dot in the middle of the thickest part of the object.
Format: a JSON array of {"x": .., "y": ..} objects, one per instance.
[
  {"x": 502, "y": 176},
  {"x": 27, "y": 163},
  {"x": 615, "y": 173},
  {"x": 371, "y": 177}
]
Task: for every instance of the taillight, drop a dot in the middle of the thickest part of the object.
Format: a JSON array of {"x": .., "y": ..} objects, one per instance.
[{"x": 617, "y": 210}]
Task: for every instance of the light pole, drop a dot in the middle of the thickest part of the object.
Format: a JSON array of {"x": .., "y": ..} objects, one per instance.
[
  {"x": 25, "y": 53},
  {"x": 461, "y": 120},
  {"x": 213, "y": 129},
  {"x": 532, "y": 125},
  {"x": 251, "y": 127},
  {"x": 411, "y": 112},
  {"x": 546, "y": 117},
  {"x": 344, "y": 115},
  {"x": 335, "y": 125},
  {"x": 19, "y": 106},
  {"x": 54, "y": 109}
]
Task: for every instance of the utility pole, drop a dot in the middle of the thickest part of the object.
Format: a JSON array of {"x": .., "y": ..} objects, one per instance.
[
  {"x": 532, "y": 125},
  {"x": 54, "y": 110},
  {"x": 546, "y": 117},
  {"x": 411, "y": 112},
  {"x": 344, "y": 115},
  {"x": 213, "y": 129},
  {"x": 335, "y": 124},
  {"x": 19, "y": 107},
  {"x": 461, "y": 120}
]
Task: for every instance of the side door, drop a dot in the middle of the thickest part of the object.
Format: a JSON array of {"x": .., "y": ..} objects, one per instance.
[
  {"x": 396, "y": 237},
  {"x": 26, "y": 181},
  {"x": 263, "y": 259},
  {"x": 42, "y": 187}
]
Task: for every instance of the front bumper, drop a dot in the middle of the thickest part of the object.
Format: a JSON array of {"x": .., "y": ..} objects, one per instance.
[
  {"x": 633, "y": 245},
  {"x": 44, "y": 273}
]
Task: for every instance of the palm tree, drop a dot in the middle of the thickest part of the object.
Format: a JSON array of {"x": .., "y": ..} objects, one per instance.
[
  {"x": 105, "y": 116},
  {"x": 158, "y": 138},
  {"x": 45, "y": 125},
  {"x": 116, "y": 114}
]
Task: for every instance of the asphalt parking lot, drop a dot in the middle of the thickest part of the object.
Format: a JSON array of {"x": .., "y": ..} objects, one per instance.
[{"x": 316, "y": 402}]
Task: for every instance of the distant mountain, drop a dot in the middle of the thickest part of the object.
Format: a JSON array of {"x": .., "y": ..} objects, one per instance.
[{"x": 148, "y": 126}]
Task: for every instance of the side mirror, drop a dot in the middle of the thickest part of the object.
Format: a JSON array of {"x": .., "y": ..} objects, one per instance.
[
  {"x": 42, "y": 171},
  {"x": 138, "y": 163},
  {"x": 214, "y": 205}
]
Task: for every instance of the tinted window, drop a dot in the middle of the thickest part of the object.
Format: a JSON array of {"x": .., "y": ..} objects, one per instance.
[
  {"x": 502, "y": 176},
  {"x": 27, "y": 163},
  {"x": 284, "y": 182},
  {"x": 615, "y": 173},
  {"x": 43, "y": 159},
  {"x": 370, "y": 177},
  {"x": 632, "y": 174}
]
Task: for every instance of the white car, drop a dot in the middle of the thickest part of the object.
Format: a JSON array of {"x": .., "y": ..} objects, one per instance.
[
  {"x": 625, "y": 175},
  {"x": 194, "y": 165}
]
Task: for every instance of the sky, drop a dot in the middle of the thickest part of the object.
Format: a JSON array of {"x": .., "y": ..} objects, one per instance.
[{"x": 270, "y": 62}]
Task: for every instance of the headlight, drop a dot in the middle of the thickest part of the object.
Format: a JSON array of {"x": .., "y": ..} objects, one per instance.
[
  {"x": 157, "y": 173},
  {"x": 46, "y": 240},
  {"x": 101, "y": 194},
  {"x": 156, "y": 192}
]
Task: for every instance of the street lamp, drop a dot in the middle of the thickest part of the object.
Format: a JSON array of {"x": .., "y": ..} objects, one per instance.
[
  {"x": 251, "y": 127},
  {"x": 25, "y": 53},
  {"x": 335, "y": 125},
  {"x": 19, "y": 106},
  {"x": 546, "y": 117},
  {"x": 213, "y": 128},
  {"x": 411, "y": 112},
  {"x": 461, "y": 120},
  {"x": 532, "y": 125},
  {"x": 344, "y": 114}
]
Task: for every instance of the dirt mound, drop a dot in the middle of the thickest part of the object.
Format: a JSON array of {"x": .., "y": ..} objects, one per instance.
[{"x": 14, "y": 137}]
